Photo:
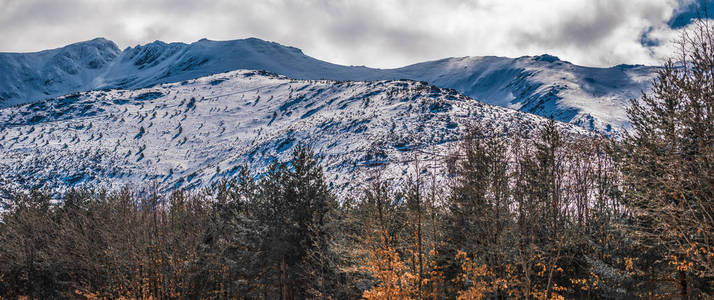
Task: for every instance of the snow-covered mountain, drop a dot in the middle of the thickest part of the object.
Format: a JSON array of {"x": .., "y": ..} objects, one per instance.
[
  {"x": 99, "y": 64},
  {"x": 191, "y": 133},
  {"x": 29, "y": 77},
  {"x": 594, "y": 98}
]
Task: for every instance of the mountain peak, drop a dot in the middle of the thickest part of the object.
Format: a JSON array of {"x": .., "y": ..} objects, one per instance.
[
  {"x": 99, "y": 42},
  {"x": 546, "y": 58},
  {"x": 100, "y": 39}
]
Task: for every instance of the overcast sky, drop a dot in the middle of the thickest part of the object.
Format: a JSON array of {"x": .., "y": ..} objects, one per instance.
[{"x": 375, "y": 33}]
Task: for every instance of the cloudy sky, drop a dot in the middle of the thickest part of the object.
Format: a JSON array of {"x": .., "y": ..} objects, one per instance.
[{"x": 375, "y": 33}]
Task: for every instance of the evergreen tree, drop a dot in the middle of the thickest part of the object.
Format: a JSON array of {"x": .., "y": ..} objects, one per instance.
[
  {"x": 296, "y": 206},
  {"x": 478, "y": 205},
  {"x": 668, "y": 163}
]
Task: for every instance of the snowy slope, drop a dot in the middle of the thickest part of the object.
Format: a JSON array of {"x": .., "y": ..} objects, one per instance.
[
  {"x": 159, "y": 62},
  {"x": 191, "y": 133},
  {"x": 99, "y": 64},
  {"x": 28, "y": 77},
  {"x": 594, "y": 98}
]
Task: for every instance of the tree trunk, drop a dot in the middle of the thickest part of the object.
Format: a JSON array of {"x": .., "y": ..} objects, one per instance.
[
  {"x": 683, "y": 284},
  {"x": 283, "y": 294}
]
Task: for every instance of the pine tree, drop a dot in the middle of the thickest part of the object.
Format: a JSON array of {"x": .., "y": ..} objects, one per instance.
[
  {"x": 668, "y": 163},
  {"x": 296, "y": 206},
  {"x": 478, "y": 205}
]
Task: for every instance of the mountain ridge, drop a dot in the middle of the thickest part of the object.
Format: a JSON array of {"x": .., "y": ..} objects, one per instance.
[{"x": 593, "y": 98}]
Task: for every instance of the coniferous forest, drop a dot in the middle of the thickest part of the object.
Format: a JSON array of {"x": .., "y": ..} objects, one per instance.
[{"x": 535, "y": 216}]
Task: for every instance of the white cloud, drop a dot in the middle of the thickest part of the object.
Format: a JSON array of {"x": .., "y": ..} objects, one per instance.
[{"x": 377, "y": 33}]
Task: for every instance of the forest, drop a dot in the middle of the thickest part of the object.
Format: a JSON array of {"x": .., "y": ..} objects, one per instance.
[{"x": 535, "y": 216}]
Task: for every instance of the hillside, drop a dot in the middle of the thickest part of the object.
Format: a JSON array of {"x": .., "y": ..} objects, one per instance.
[{"x": 192, "y": 133}]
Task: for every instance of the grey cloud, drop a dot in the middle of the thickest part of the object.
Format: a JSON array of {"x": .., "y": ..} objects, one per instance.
[
  {"x": 378, "y": 33},
  {"x": 582, "y": 29}
]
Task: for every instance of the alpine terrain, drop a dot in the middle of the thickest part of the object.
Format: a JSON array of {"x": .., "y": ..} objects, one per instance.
[{"x": 593, "y": 98}]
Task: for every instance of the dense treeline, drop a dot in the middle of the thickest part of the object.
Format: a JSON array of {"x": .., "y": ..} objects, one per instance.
[
  {"x": 541, "y": 217},
  {"x": 546, "y": 216}
]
